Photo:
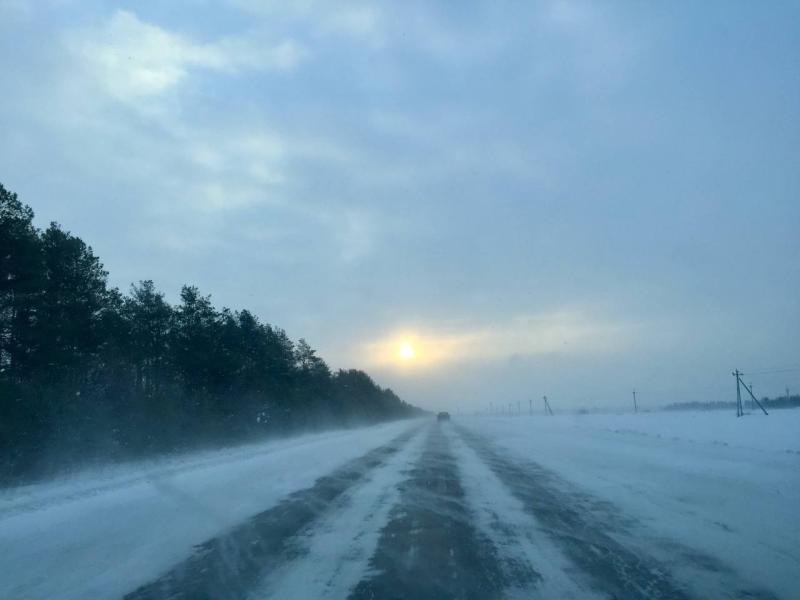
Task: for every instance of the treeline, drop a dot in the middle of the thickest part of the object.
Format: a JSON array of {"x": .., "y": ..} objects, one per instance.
[
  {"x": 89, "y": 373},
  {"x": 778, "y": 402},
  {"x": 716, "y": 405},
  {"x": 781, "y": 402}
]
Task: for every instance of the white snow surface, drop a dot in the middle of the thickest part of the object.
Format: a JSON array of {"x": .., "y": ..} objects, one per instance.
[
  {"x": 515, "y": 533},
  {"x": 337, "y": 549},
  {"x": 102, "y": 535},
  {"x": 728, "y": 488},
  {"x": 713, "y": 498}
]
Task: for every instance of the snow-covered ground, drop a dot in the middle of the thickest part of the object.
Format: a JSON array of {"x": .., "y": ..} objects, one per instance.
[
  {"x": 100, "y": 536},
  {"x": 726, "y": 487},
  {"x": 503, "y": 519},
  {"x": 683, "y": 504},
  {"x": 337, "y": 549}
]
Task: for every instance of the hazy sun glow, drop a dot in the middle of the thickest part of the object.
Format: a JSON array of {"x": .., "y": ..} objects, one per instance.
[
  {"x": 406, "y": 351},
  {"x": 559, "y": 332}
]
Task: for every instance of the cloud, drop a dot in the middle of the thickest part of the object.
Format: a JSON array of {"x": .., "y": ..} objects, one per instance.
[
  {"x": 425, "y": 29},
  {"x": 360, "y": 20},
  {"x": 133, "y": 60},
  {"x": 355, "y": 236},
  {"x": 600, "y": 52},
  {"x": 431, "y": 163},
  {"x": 560, "y": 332},
  {"x": 16, "y": 10}
]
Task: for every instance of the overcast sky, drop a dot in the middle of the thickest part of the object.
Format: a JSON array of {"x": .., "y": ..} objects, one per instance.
[{"x": 561, "y": 198}]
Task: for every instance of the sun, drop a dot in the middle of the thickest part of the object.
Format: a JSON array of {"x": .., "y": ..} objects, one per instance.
[{"x": 406, "y": 351}]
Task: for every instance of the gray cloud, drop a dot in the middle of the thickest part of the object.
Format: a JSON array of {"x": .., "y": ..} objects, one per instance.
[{"x": 563, "y": 197}]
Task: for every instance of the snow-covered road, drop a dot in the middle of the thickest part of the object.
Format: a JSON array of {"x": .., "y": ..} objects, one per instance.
[{"x": 653, "y": 505}]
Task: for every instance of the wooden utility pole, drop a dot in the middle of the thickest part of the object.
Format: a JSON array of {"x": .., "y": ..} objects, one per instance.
[
  {"x": 753, "y": 396},
  {"x": 547, "y": 409},
  {"x": 739, "y": 382},
  {"x": 739, "y": 411},
  {"x": 635, "y": 407}
]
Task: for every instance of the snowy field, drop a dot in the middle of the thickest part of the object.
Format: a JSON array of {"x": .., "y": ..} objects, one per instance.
[
  {"x": 673, "y": 504},
  {"x": 726, "y": 487}
]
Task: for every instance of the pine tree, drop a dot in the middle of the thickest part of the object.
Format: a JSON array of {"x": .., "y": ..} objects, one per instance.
[{"x": 21, "y": 285}]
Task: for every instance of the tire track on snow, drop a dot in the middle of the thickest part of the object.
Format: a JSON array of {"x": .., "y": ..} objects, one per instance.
[{"x": 229, "y": 565}]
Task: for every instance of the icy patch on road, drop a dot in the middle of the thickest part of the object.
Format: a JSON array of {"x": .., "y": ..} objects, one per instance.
[
  {"x": 527, "y": 554},
  {"x": 333, "y": 554}
]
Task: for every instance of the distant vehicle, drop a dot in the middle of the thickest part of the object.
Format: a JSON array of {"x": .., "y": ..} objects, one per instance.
[{"x": 443, "y": 416}]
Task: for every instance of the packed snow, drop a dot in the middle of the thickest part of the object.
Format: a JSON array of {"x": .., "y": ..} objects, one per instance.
[
  {"x": 712, "y": 498},
  {"x": 100, "y": 537},
  {"x": 515, "y": 534},
  {"x": 725, "y": 486},
  {"x": 337, "y": 550}
]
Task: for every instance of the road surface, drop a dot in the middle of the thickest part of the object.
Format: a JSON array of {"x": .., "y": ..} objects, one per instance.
[
  {"x": 431, "y": 511},
  {"x": 431, "y": 547}
]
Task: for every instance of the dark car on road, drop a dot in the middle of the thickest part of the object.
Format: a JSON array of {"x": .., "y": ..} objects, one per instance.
[{"x": 443, "y": 416}]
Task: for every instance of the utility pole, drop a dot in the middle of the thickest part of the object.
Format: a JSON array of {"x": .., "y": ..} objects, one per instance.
[
  {"x": 547, "y": 409},
  {"x": 753, "y": 396},
  {"x": 751, "y": 399},
  {"x": 739, "y": 411},
  {"x": 530, "y": 403},
  {"x": 635, "y": 407}
]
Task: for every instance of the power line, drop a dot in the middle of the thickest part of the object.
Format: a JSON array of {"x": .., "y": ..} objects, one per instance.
[{"x": 771, "y": 371}]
